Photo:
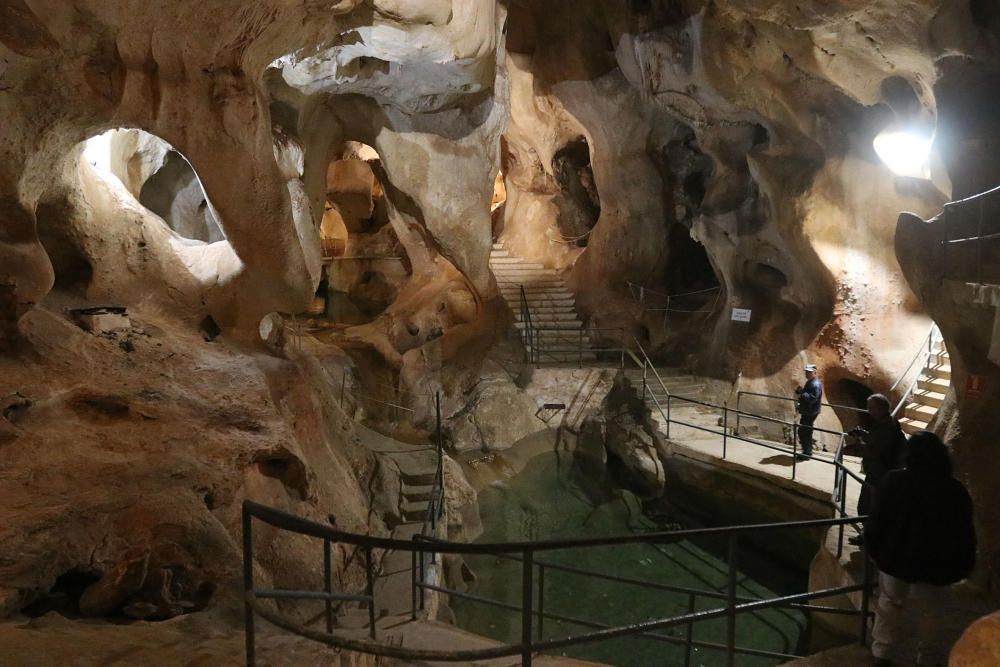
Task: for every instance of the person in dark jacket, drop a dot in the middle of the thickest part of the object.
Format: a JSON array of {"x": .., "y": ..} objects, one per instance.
[
  {"x": 810, "y": 400},
  {"x": 921, "y": 536},
  {"x": 883, "y": 445}
]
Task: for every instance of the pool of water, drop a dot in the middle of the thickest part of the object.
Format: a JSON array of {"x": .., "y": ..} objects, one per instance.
[{"x": 549, "y": 499}]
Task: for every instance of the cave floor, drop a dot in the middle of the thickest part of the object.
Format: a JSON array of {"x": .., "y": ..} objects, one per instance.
[{"x": 200, "y": 640}]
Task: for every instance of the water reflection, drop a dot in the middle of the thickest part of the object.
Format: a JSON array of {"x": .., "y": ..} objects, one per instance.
[{"x": 551, "y": 498}]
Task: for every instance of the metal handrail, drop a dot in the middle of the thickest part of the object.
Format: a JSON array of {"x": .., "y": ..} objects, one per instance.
[
  {"x": 924, "y": 353},
  {"x": 778, "y": 397},
  {"x": 841, "y": 472},
  {"x": 979, "y": 237},
  {"x": 528, "y": 645}
]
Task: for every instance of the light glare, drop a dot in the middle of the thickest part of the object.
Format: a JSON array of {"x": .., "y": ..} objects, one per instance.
[{"x": 905, "y": 153}]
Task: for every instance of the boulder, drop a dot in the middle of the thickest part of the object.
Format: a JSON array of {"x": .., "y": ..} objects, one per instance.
[
  {"x": 979, "y": 645},
  {"x": 636, "y": 450},
  {"x": 461, "y": 503},
  {"x": 498, "y": 415}
]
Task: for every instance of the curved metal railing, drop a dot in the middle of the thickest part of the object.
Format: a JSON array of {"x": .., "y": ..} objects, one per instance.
[{"x": 531, "y": 607}]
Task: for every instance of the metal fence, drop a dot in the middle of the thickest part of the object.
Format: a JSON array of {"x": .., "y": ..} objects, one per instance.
[
  {"x": 531, "y": 605},
  {"x": 968, "y": 223},
  {"x": 728, "y": 416}
]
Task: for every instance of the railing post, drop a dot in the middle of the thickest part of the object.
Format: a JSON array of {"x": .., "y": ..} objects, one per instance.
[
  {"x": 527, "y": 568},
  {"x": 422, "y": 579},
  {"x": 328, "y": 584},
  {"x": 739, "y": 397},
  {"x": 689, "y": 637},
  {"x": 413, "y": 585},
  {"x": 865, "y": 595},
  {"x": 541, "y": 600},
  {"x": 843, "y": 512},
  {"x": 580, "y": 344},
  {"x": 731, "y": 603},
  {"x": 979, "y": 244},
  {"x": 644, "y": 365},
  {"x": 725, "y": 428},
  {"x": 370, "y": 590},
  {"x": 248, "y": 590},
  {"x": 343, "y": 386},
  {"x": 795, "y": 447},
  {"x": 669, "y": 397}
]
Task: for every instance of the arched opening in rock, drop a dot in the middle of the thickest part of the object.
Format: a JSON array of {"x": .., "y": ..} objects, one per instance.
[
  {"x": 851, "y": 394},
  {"x": 159, "y": 177},
  {"x": 142, "y": 192},
  {"x": 175, "y": 194},
  {"x": 64, "y": 596},
  {"x": 580, "y": 205},
  {"x": 364, "y": 262},
  {"x": 688, "y": 265}
]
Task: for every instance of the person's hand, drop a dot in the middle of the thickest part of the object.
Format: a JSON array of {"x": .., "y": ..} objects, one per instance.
[{"x": 798, "y": 389}]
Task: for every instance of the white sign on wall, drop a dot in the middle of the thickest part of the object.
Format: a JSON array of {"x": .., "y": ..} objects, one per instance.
[{"x": 741, "y": 314}]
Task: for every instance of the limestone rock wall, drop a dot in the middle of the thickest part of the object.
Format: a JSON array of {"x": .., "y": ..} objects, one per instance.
[{"x": 749, "y": 128}]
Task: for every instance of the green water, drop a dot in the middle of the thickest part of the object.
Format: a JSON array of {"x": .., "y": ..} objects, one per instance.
[{"x": 549, "y": 500}]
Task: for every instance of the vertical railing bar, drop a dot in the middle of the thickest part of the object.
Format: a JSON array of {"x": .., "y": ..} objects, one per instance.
[
  {"x": 645, "y": 364},
  {"x": 422, "y": 580},
  {"x": 248, "y": 589},
  {"x": 739, "y": 400},
  {"x": 413, "y": 584},
  {"x": 795, "y": 445},
  {"x": 328, "y": 583},
  {"x": 370, "y": 590},
  {"x": 689, "y": 638},
  {"x": 979, "y": 244},
  {"x": 669, "y": 396},
  {"x": 865, "y": 595},
  {"x": 541, "y": 601},
  {"x": 527, "y": 590},
  {"x": 731, "y": 604},
  {"x": 725, "y": 428}
]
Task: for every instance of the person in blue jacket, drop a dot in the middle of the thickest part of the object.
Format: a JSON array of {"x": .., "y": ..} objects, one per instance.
[{"x": 810, "y": 399}]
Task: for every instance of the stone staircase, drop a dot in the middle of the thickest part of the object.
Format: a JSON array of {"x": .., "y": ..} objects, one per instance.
[
  {"x": 560, "y": 336},
  {"x": 680, "y": 384},
  {"x": 928, "y": 395}
]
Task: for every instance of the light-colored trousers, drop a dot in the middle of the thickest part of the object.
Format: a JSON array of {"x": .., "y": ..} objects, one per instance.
[{"x": 918, "y": 602}]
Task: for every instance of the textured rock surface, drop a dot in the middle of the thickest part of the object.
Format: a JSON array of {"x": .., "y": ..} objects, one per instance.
[{"x": 129, "y": 454}]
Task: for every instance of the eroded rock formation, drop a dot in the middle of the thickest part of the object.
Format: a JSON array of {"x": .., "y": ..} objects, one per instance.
[{"x": 297, "y": 200}]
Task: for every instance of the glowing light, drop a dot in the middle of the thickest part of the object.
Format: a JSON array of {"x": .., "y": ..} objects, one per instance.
[
  {"x": 98, "y": 151},
  {"x": 905, "y": 153}
]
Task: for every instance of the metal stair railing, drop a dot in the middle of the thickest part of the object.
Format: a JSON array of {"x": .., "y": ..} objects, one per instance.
[
  {"x": 955, "y": 208},
  {"x": 539, "y": 341},
  {"x": 924, "y": 354},
  {"x": 531, "y": 608},
  {"x": 838, "y": 495}
]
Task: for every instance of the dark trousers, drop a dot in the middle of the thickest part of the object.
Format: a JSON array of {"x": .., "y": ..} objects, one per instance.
[{"x": 806, "y": 433}]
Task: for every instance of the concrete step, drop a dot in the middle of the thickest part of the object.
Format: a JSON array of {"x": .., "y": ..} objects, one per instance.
[
  {"x": 551, "y": 315},
  {"x": 546, "y": 326},
  {"x": 919, "y": 412},
  {"x": 939, "y": 385},
  {"x": 531, "y": 287},
  {"x": 930, "y": 398},
  {"x": 569, "y": 359},
  {"x": 499, "y": 252},
  {"x": 506, "y": 261},
  {"x": 418, "y": 492},
  {"x": 941, "y": 371},
  {"x": 414, "y": 510},
  {"x": 911, "y": 426}
]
